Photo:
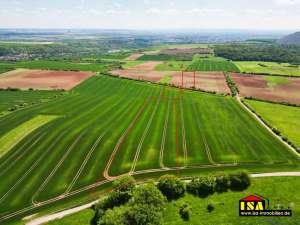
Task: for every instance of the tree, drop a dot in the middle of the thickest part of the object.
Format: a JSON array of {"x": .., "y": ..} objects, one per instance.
[
  {"x": 239, "y": 181},
  {"x": 185, "y": 211},
  {"x": 222, "y": 183},
  {"x": 210, "y": 207},
  {"x": 171, "y": 187},
  {"x": 202, "y": 186},
  {"x": 149, "y": 195},
  {"x": 140, "y": 214}
]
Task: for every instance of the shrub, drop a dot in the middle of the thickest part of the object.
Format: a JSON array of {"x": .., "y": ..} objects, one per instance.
[
  {"x": 171, "y": 187},
  {"x": 210, "y": 207},
  {"x": 222, "y": 183},
  {"x": 185, "y": 212},
  {"x": 202, "y": 186},
  {"x": 140, "y": 214},
  {"x": 124, "y": 184},
  {"x": 148, "y": 195},
  {"x": 239, "y": 181}
]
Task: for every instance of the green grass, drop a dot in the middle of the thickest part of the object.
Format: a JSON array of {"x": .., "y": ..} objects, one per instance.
[
  {"x": 55, "y": 65},
  {"x": 129, "y": 64},
  {"x": 4, "y": 70},
  {"x": 163, "y": 57},
  {"x": 13, "y": 137},
  {"x": 226, "y": 206},
  {"x": 167, "y": 46},
  {"x": 279, "y": 190},
  {"x": 165, "y": 80},
  {"x": 173, "y": 66},
  {"x": 285, "y": 118},
  {"x": 212, "y": 64},
  {"x": 71, "y": 152},
  {"x": 269, "y": 68},
  {"x": 15, "y": 99},
  {"x": 82, "y": 218},
  {"x": 274, "y": 81}
]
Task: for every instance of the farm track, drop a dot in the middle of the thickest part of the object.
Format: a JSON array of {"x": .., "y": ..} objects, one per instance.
[
  {"x": 207, "y": 149},
  {"x": 41, "y": 188},
  {"x": 101, "y": 117},
  {"x": 122, "y": 138},
  {"x": 84, "y": 163},
  {"x": 163, "y": 140},
  {"x": 185, "y": 151},
  {"x": 31, "y": 168},
  {"x": 145, "y": 133}
]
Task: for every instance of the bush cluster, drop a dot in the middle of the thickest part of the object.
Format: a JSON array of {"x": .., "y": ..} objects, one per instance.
[
  {"x": 130, "y": 204},
  {"x": 233, "y": 88},
  {"x": 171, "y": 187},
  {"x": 204, "y": 186}
]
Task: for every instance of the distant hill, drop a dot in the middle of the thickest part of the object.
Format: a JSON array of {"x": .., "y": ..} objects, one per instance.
[{"x": 291, "y": 39}]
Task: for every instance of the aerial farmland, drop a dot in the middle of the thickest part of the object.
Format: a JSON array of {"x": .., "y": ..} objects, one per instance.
[{"x": 71, "y": 129}]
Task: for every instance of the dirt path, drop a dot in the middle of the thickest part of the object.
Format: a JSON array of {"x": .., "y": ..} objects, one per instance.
[
  {"x": 67, "y": 212},
  {"x": 263, "y": 124}
]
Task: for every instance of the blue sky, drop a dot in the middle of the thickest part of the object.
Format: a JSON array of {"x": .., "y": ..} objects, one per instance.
[{"x": 151, "y": 14}]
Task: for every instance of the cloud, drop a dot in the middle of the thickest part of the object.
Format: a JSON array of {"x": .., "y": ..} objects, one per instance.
[
  {"x": 169, "y": 12},
  {"x": 209, "y": 11},
  {"x": 287, "y": 2}
]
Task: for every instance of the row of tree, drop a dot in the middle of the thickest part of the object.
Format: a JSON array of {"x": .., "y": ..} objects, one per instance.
[
  {"x": 134, "y": 204},
  {"x": 268, "y": 53}
]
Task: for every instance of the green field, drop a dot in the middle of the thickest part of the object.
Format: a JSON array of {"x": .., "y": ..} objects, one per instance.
[
  {"x": 13, "y": 137},
  {"x": 274, "y": 81},
  {"x": 114, "y": 125},
  {"x": 173, "y": 66},
  {"x": 15, "y": 99},
  {"x": 163, "y": 57},
  {"x": 55, "y": 65},
  {"x": 4, "y": 70},
  {"x": 284, "y": 193},
  {"x": 269, "y": 68},
  {"x": 285, "y": 118},
  {"x": 212, "y": 64},
  {"x": 128, "y": 64}
]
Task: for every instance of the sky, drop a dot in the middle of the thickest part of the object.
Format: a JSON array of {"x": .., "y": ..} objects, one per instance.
[{"x": 151, "y": 14}]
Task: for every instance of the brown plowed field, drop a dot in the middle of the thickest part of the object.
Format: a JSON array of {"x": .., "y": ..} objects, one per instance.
[
  {"x": 208, "y": 81},
  {"x": 134, "y": 57},
  {"x": 177, "y": 51},
  {"x": 42, "y": 79},
  {"x": 257, "y": 86}
]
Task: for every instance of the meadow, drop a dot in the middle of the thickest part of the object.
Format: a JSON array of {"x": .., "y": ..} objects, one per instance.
[
  {"x": 15, "y": 99},
  {"x": 56, "y": 65},
  {"x": 212, "y": 64},
  {"x": 109, "y": 126},
  {"x": 226, "y": 206},
  {"x": 284, "y": 118},
  {"x": 272, "y": 68},
  {"x": 165, "y": 57}
]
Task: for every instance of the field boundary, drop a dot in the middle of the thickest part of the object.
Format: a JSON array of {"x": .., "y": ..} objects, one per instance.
[
  {"x": 46, "y": 181},
  {"x": 122, "y": 138},
  {"x": 264, "y": 124},
  {"x": 67, "y": 212},
  {"x": 163, "y": 141},
  {"x": 145, "y": 133}
]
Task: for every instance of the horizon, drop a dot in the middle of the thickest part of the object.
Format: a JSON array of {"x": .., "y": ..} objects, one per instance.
[{"x": 151, "y": 15}]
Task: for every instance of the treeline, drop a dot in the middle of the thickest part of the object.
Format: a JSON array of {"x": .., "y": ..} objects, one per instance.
[
  {"x": 268, "y": 53},
  {"x": 133, "y": 204}
]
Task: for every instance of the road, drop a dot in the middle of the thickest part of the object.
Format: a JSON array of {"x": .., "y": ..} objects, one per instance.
[{"x": 59, "y": 215}]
